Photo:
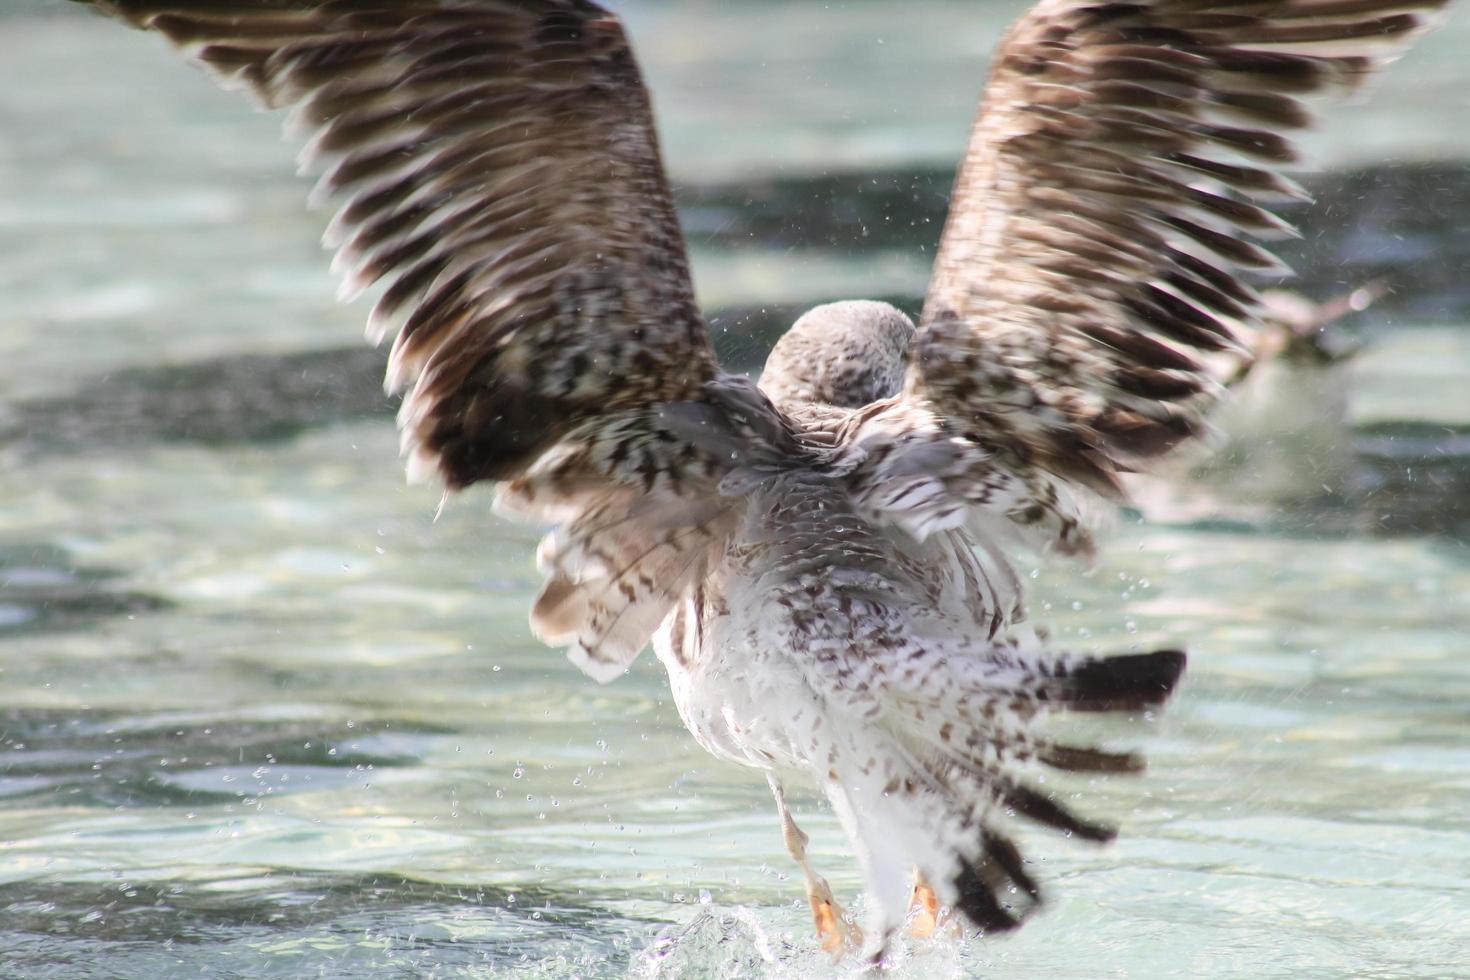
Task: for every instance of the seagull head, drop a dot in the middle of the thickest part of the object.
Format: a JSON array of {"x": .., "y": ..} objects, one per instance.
[{"x": 844, "y": 354}]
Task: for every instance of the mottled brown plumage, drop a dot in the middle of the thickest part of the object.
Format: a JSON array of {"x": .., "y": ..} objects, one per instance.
[
  {"x": 499, "y": 181},
  {"x": 1099, "y": 233},
  {"x": 820, "y": 560}
]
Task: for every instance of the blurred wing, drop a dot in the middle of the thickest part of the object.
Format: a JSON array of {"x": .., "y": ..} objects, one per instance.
[
  {"x": 500, "y": 180},
  {"x": 1098, "y": 232}
]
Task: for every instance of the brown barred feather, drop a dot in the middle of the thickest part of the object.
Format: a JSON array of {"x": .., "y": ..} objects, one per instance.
[
  {"x": 1123, "y": 159},
  {"x": 500, "y": 182}
]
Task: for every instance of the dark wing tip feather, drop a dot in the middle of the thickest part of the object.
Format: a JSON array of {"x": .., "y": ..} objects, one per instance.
[
  {"x": 1073, "y": 758},
  {"x": 1026, "y": 802},
  {"x": 1007, "y": 856},
  {"x": 1123, "y": 683},
  {"x": 996, "y": 892},
  {"x": 994, "y": 889},
  {"x": 491, "y": 431},
  {"x": 980, "y": 902}
]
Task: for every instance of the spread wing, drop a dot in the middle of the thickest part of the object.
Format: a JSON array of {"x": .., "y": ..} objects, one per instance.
[
  {"x": 1100, "y": 232},
  {"x": 500, "y": 183}
]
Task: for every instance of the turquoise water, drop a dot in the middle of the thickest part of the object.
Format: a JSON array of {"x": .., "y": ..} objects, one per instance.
[{"x": 261, "y": 716}]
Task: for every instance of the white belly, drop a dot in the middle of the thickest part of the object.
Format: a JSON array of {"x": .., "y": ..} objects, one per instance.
[
  {"x": 794, "y": 628},
  {"x": 747, "y": 704}
]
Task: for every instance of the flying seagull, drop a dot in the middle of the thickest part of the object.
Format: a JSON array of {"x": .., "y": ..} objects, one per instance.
[{"x": 820, "y": 560}]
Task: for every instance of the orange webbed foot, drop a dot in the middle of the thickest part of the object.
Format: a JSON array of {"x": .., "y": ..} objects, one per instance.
[{"x": 838, "y": 935}]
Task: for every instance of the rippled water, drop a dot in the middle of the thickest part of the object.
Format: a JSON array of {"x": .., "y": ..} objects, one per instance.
[{"x": 261, "y": 716}]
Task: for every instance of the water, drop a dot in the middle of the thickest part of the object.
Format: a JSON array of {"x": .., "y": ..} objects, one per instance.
[{"x": 260, "y": 716}]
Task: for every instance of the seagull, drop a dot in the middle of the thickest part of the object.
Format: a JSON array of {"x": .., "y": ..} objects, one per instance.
[{"x": 822, "y": 561}]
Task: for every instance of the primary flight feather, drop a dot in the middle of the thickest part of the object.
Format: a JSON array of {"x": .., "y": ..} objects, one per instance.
[{"x": 820, "y": 561}]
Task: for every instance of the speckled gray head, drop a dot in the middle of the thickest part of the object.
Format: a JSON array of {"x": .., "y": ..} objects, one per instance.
[{"x": 843, "y": 354}]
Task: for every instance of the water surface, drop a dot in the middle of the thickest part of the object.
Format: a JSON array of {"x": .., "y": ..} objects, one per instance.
[{"x": 261, "y": 716}]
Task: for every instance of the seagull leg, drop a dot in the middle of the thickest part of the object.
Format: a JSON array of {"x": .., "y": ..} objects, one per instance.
[
  {"x": 836, "y": 933},
  {"x": 926, "y": 915},
  {"x": 924, "y": 907}
]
